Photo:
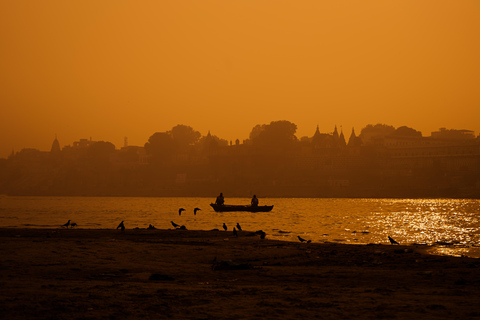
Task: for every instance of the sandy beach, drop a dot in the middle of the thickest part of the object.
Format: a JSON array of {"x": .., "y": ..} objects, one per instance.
[{"x": 181, "y": 274}]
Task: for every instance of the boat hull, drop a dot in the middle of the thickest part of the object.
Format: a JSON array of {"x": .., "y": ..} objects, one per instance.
[{"x": 232, "y": 208}]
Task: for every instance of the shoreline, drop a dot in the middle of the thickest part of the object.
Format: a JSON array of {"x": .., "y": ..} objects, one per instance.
[{"x": 183, "y": 274}]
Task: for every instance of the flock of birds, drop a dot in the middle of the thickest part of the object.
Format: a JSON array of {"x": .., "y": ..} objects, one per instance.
[{"x": 237, "y": 228}]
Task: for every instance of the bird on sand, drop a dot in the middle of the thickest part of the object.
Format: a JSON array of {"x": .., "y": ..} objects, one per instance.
[
  {"x": 303, "y": 240},
  {"x": 195, "y": 210},
  {"x": 66, "y": 224},
  {"x": 239, "y": 227},
  {"x": 121, "y": 226},
  {"x": 235, "y": 232},
  {"x": 261, "y": 233},
  {"x": 174, "y": 224},
  {"x": 180, "y": 211},
  {"x": 224, "y": 226},
  {"x": 73, "y": 224},
  {"x": 392, "y": 241}
]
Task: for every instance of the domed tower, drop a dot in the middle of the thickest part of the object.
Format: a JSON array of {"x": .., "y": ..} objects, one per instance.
[{"x": 55, "y": 146}]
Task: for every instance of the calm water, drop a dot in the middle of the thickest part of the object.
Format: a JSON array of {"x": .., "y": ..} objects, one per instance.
[{"x": 453, "y": 223}]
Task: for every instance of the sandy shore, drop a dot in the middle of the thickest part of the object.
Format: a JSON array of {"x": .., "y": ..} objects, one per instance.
[{"x": 159, "y": 274}]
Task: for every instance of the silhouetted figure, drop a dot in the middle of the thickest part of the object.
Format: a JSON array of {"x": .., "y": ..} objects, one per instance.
[
  {"x": 66, "y": 224},
  {"x": 73, "y": 224},
  {"x": 180, "y": 211},
  {"x": 174, "y": 224},
  {"x": 224, "y": 226},
  {"x": 239, "y": 227},
  {"x": 254, "y": 201},
  {"x": 220, "y": 200},
  {"x": 392, "y": 241},
  {"x": 121, "y": 226},
  {"x": 301, "y": 239},
  {"x": 151, "y": 227},
  {"x": 235, "y": 232},
  {"x": 195, "y": 210}
]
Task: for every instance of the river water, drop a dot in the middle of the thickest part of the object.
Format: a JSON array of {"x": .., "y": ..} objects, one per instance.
[{"x": 452, "y": 226}]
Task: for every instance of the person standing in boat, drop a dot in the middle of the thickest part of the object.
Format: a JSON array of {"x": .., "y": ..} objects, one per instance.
[
  {"x": 220, "y": 200},
  {"x": 254, "y": 201}
]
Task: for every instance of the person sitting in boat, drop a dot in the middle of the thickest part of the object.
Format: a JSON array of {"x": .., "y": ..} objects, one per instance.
[
  {"x": 220, "y": 200},
  {"x": 254, "y": 201}
]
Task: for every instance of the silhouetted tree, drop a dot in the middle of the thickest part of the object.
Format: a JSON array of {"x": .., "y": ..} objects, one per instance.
[
  {"x": 100, "y": 150},
  {"x": 210, "y": 143},
  {"x": 160, "y": 146},
  {"x": 184, "y": 136},
  {"x": 378, "y": 128},
  {"x": 378, "y": 131},
  {"x": 276, "y": 135},
  {"x": 406, "y": 131}
]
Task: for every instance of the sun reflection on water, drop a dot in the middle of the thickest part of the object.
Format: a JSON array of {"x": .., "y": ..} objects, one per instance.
[{"x": 450, "y": 226}]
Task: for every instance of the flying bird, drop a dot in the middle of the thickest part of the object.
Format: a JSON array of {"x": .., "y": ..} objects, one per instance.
[
  {"x": 224, "y": 226},
  {"x": 195, "y": 210},
  {"x": 235, "y": 232},
  {"x": 239, "y": 227},
  {"x": 180, "y": 211},
  {"x": 392, "y": 241},
  {"x": 121, "y": 226},
  {"x": 174, "y": 224},
  {"x": 66, "y": 224}
]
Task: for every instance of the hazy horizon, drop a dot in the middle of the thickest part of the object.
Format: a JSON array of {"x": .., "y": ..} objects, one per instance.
[{"x": 114, "y": 69}]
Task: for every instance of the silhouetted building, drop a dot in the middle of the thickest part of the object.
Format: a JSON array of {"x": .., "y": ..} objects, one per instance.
[
  {"x": 55, "y": 146},
  {"x": 452, "y": 134}
]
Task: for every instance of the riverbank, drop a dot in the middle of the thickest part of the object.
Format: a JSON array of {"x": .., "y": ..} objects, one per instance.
[{"x": 181, "y": 274}]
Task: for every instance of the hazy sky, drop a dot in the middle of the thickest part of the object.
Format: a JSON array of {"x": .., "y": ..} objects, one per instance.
[{"x": 111, "y": 69}]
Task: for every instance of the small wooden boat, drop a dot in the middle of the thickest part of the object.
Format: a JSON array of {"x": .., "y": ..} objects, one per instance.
[{"x": 230, "y": 208}]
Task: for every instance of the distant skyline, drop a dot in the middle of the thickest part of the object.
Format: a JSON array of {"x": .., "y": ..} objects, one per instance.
[{"x": 114, "y": 69}]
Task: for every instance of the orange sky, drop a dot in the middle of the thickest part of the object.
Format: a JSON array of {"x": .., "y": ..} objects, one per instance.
[{"x": 109, "y": 69}]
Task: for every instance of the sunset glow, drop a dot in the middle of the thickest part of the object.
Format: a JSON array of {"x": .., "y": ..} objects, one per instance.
[{"x": 114, "y": 69}]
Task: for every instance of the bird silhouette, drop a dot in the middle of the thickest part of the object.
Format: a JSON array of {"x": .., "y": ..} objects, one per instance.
[
  {"x": 174, "y": 224},
  {"x": 73, "y": 224},
  {"x": 224, "y": 226},
  {"x": 195, "y": 210},
  {"x": 180, "y": 211},
  {"x": 239, "y": 227},
  {"x": 66, "y": 224},
  {"x": 121, "y": 226},
  {"x": 392, "y": 241},
  {"x": 261, "y": 233},
  {"x": 235, "y": 232},
  {"x": 303, "y": 240}
]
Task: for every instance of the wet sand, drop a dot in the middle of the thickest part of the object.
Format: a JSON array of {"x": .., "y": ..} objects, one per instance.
[{"x": 181, "y": 274}]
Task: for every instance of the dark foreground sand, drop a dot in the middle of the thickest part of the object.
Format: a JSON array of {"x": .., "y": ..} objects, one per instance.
[{"x": 159, "y": 274}]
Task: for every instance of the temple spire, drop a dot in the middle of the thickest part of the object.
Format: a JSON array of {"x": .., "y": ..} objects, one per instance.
[{"x": 342, "y": 138}]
